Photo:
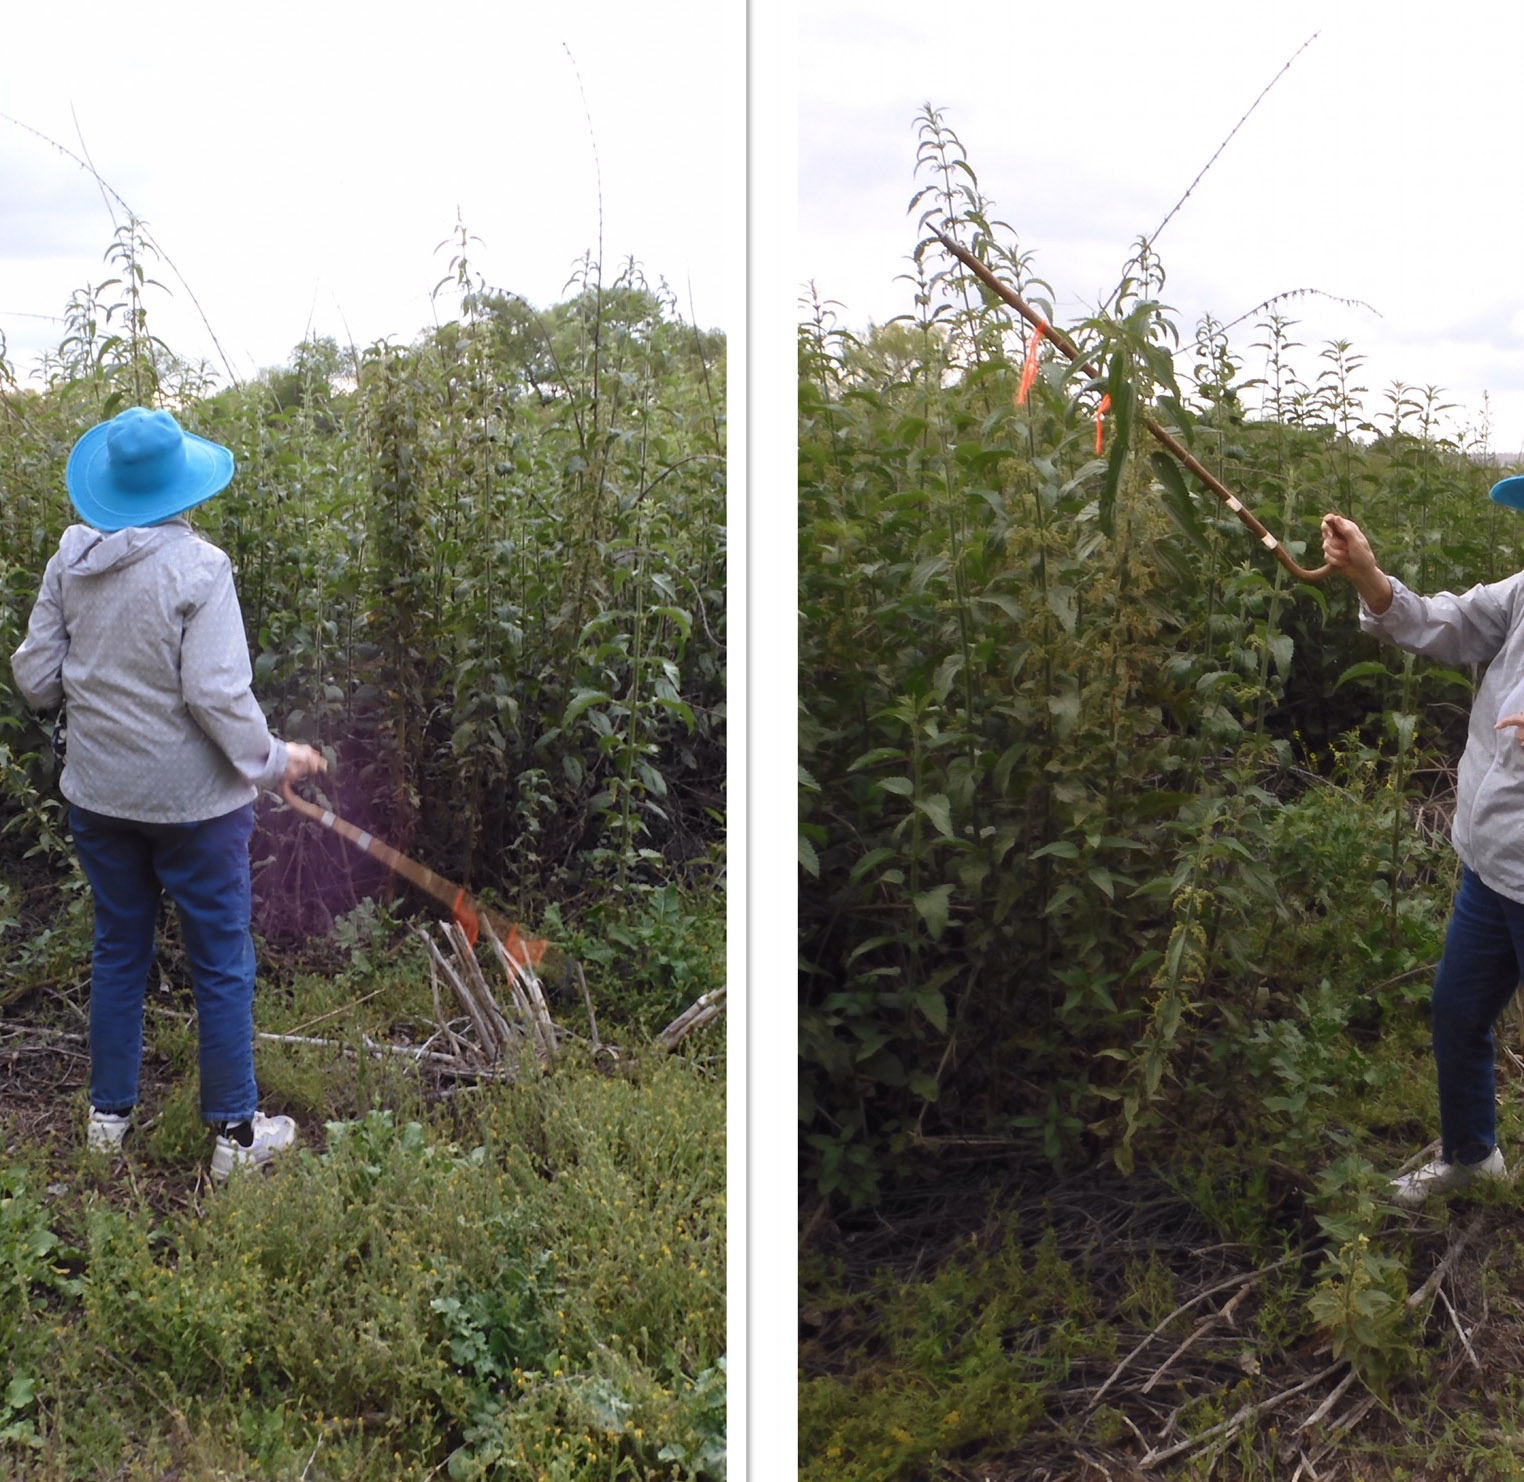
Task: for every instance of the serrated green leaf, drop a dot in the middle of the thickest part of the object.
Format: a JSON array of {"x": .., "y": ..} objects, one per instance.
[
  {"x": 939, "y": 810},
  {"x": 1064, "y": 605},
  {"x": 1450, "y": 676},
  {"x": 933, "y": 906},
  {"x": 1006, "y": 603},
  {"x": 682, "y": 618},
  {"x": 1364, "y": 670},
  {"x": 877, "y": 755},
  {"x": 869, "y": 862},
  {"x": 583, "y": 700},
  {"x": 934, "y": 1006},
  {"x": 1177, "y": 499}
]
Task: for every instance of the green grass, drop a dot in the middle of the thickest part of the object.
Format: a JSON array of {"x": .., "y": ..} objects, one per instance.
[
  {"x": 966, "y": 1329},
  {"x": 961, "y": 1356},
  {"x": 522, "y": 1280}
]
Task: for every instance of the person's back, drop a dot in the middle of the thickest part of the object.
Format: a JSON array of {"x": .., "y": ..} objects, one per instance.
[
  {"x": 137, "y": 629},
  {"x": 156, "y": 676}
]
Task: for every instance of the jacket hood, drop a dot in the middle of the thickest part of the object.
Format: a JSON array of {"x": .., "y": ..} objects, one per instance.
[{"x": 87, "y": 551}]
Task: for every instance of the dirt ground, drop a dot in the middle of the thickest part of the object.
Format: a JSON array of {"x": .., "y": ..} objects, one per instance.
[
  {"x": 1296, "y": 1410},
  {"x": 44, "y": 1080}
]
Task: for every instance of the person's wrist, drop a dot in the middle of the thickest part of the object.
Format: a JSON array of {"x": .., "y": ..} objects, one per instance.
[{"x": 1376, "y": 591}]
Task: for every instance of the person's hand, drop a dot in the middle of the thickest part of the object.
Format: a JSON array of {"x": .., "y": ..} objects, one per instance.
[
  {"x": 303, "y": 761},
  {"x": 1516, "y": 721},
  {"x": 1346, "y": 549}
]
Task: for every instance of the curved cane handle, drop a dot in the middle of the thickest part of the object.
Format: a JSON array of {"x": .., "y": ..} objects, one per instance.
[{"x": 302, "y": 806}]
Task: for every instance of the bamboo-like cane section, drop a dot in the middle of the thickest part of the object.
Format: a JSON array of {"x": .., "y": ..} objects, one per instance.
[
  {"x": 491, "y": 1046},
  {"x": 698, "y": 1013},
  {"x": 528, "y": 951},
  {"x": 1165, "y": 439}
]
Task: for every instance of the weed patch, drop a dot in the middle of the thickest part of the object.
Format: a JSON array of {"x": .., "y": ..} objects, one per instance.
[{"x": 447, "y": 1302}]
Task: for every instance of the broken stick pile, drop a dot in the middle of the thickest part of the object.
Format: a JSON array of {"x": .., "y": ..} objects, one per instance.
[{"x": 494, "y": 1039}]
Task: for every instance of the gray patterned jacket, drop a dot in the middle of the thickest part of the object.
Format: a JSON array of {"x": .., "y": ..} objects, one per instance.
[
  {"x": 1482, "y": 626},
  {"x": 140, "y": 631}
]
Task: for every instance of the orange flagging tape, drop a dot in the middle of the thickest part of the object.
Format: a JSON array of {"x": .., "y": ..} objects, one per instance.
[
  {"x": 1029, "y": 365},
  {"x": 465, "y": 918},
  {"x": 1100, "y": 412}
]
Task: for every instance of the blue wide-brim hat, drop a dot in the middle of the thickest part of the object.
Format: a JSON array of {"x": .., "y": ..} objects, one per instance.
[
  {"x": 142, "y": 467},
  {"x": 1509, "y": 492}
]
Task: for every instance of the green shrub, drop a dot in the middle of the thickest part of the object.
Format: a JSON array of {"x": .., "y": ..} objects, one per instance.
[{"x": 549, "y": 1292}]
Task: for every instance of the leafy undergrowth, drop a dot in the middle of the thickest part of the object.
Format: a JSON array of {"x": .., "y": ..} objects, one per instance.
[
  {"x": 522, "y": 1280},
  {"x": 1227, "y": 1317},
  {"x": 1123, "y": 875}
]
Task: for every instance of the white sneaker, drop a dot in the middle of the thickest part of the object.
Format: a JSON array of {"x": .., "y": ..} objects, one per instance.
[
  {"x": 1440, "y": 1177},
  {"x": 105, "y": 1130},
  {"x": 272, "y": 1135}
]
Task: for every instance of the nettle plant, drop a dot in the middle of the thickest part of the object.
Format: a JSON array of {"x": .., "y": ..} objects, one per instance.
[
  {"x": 1000, "y": 577},
  {"x": 486, "y": 570},
  {"x": 1053, "y": 701}
]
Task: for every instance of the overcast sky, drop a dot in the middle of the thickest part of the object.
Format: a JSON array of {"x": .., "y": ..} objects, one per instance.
[
  {"x": 300, "y": 163},
  {"x": 1382, "y": 166}
]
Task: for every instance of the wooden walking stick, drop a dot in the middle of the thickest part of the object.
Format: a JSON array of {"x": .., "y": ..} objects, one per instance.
[
  {"x": 524, "y": 950},
  {"x": 1170, "y": 443}
]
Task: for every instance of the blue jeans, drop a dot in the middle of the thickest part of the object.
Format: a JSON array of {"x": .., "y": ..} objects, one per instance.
[
  {"x": 204, "y": 868},
  {"x": 1482, "y": 965}
]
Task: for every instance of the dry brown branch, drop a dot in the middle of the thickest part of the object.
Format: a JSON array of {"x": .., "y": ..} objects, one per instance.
[
  {"x": 1239, "y": 1279},
  {"x": 497, "y": 1030},
  {"x": 587, "y": 998},
  {"x": 1334, "y": 1396},
  {"x": 499, "y": 1037},
  {"x": 1458, "y": 1241},
  {"x": 441, "y": 1019},
  {"x": 11, "y": 1053},
  {"x": 450, "y": 1065},
  {"x": 700, "y": 1012},
  {"x": 334, "y": 1013},
  {"x": 1422, "y": 1156},
  {"x": 370, "y": 1046},
  {"x": 1225, "y": 1314},
  {"x": 1346, "y": 1422},
  {"x": 462, "y": 993},
  {"x": 528, "y": 998},
  {"x": 1351, "y": 1418},
  {"x": 1460, "y": 1331},
  {"x": 26, "y": 1032},
  {"x": 1228, "y": 1428}
]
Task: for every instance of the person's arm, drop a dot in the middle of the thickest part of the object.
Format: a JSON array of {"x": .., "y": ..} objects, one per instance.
[
  {"x": 1469, "y": 627},
  {"x": 38, "y": 664},
  {"x": 216, "y": 681}
]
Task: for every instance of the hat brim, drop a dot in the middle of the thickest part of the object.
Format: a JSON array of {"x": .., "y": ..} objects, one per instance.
[
  {"x": 1509, "y": 492},
  {"x": 103, "y": 503}
]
